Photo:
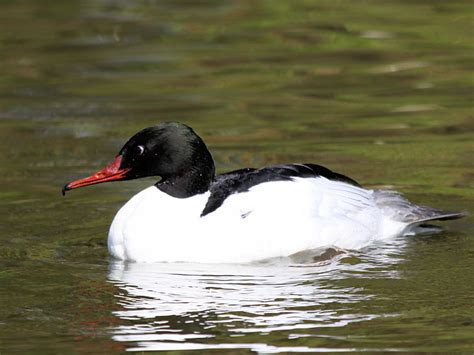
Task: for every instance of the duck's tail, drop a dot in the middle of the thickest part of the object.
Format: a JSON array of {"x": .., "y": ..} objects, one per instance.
[{"x": 414, "y": 219}]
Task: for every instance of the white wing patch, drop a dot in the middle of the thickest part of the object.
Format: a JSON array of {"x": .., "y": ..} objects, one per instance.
[
  {"x": 342, "y": 197},
  {"x": 308, "y": 197},
  {"x": 337, "y": 197}
]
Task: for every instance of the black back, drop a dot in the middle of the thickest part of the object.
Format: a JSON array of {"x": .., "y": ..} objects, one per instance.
[{"x": 242, "y": 180}]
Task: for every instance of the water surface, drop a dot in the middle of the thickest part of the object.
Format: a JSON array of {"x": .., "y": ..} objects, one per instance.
[{"x": 381, "y": 92}]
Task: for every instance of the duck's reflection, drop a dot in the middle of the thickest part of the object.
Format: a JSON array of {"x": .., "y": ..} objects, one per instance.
[{"x": 197, "y": 306}]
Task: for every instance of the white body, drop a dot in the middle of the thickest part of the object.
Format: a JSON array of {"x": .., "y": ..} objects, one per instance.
[{"x": 272, "y": 219}]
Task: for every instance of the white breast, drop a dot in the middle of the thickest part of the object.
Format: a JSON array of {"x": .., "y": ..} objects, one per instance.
[{"x": 272, "y": 219}]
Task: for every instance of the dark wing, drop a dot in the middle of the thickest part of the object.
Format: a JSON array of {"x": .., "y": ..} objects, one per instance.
[{"x": 242, "y": 180}]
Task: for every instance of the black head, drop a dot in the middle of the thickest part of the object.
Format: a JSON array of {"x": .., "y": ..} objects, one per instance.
[{"x": 172, "y": 151}]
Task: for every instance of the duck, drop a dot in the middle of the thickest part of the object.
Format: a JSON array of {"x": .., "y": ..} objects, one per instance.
[{"x": 193, "y": 214}]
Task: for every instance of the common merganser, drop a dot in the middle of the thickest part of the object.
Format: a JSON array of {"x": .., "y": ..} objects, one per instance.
[{"x": 193, "y": 215}]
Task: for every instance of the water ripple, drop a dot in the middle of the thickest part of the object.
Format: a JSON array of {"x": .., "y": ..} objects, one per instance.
[{"x": 180, "y": 306}]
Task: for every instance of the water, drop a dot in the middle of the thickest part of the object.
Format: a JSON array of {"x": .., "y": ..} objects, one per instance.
[{"x": 380, "y": 92}]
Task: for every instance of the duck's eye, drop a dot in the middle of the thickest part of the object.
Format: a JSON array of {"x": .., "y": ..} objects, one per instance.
[{"x": 139, "y": 149}]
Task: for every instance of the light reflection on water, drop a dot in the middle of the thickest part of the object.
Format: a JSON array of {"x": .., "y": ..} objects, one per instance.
[
  {"x": 379, "y": 91},
  {"x": 179, "y": 306}
]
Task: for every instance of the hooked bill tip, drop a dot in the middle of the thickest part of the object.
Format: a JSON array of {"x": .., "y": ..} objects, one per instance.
[{"x": 65, "y": 188}]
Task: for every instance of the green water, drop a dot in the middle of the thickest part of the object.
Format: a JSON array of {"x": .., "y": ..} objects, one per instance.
[{"x": 379, "y": 91}]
